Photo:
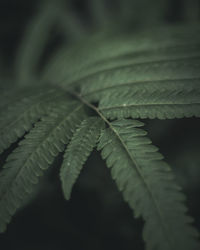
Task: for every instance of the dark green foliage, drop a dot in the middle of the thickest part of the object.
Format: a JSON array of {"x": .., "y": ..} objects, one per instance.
[
  {"x": 148, "y": 185},
  {"x": 88, "y": 95},
  {"x": 19, "y": 116},
  {"x": 34, "y": 154},
  {"x": 80, "y": 147}
]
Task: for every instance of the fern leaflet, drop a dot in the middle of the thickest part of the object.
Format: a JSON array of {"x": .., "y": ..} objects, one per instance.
[
  {"x": 148, "y": 186},
  {"x": 163, "y": 99},
  {"x": 80, "y": 147},
  {"x": 34, "y": 154}
]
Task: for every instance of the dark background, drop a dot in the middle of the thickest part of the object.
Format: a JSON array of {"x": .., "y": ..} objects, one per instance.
[{"x": 96, "y": 217}]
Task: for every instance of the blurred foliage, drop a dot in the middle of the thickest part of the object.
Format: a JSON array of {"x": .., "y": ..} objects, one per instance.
[{"x": 96, "y": 217}]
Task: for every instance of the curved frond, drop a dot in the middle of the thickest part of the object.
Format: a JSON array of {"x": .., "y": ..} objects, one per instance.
[
  {"x": 135, "y": 73},
  {"x": 78, "y": 150},
  {"x": 34, "y": 154},
  {"x": 105, "y": 60},
  {"x": 148, "y": 185}
]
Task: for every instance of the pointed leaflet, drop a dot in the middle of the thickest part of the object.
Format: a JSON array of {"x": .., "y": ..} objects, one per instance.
[
  {"x": 19, "y": 117},
  {"x": 34, "y": 154},
  {"x": 78, "y": 150},
  {"x": 148, "y": 186}
]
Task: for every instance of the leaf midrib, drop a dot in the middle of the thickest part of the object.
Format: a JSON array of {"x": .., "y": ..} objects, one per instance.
[
  {"x": 132, "y": 159},
  {"x": 145, "y": 184}
]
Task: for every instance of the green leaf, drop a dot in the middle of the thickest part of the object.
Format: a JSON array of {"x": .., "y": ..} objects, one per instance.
[
  {"x": 108, "y": 60},
  {"x": 78, "y": 150},
  {"x": 20, "y": 116},
  {"x": 34, "y": 155},
  {"x": 143, "y": 72},
  {"x": 160, "y": 99},
  {"x": 148, "y": 185}
]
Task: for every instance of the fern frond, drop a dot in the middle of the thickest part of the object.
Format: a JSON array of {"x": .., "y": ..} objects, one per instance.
[
  {"x": 156, "y": 77},
  {"x": 150, "y": 71},
  {"x": 20, "y": 116},
  {"x": 84, "y": 63},
  {"x": 148, "y": 185},
  {"x": 34, "y": 154},
  {"x": 161, "y": 99},
  {"x": 78, "y": 150},
  {"x": 167, "y": 53}
]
